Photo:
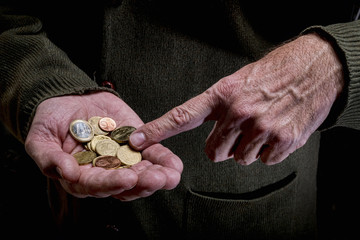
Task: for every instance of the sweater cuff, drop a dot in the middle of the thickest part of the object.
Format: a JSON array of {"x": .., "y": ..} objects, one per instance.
[{"x": 345, "y": 38}]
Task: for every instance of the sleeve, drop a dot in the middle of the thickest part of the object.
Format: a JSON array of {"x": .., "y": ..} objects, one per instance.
[
  {"x": 32, "y": 69},
  {"x": 345, "y": 38}
]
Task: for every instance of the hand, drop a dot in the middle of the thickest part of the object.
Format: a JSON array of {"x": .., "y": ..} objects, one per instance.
[
  {"x": 51, "y": 146},
  {"x": 268, "y": 108}
]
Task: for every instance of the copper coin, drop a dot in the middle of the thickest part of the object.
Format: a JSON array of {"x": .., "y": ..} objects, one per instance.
[
  {"x": 94, "y": 122},
  {"x": 107, "y": 162},
  {"x": 107, "y": 124}
]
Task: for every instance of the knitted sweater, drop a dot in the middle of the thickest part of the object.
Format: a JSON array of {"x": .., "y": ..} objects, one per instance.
[{"x": 167, "y": 52}]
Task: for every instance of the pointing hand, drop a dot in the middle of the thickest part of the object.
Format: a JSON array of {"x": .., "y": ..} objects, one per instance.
[{"x": 268, "y": 108}]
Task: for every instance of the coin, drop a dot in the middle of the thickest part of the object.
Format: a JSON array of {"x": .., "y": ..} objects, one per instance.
[
  {"x": 107, "y": 147},
  {"x": 88, "y": 147},
  {"x": 122, "y": 134},
  {"x": 84, "y": 157},
  {"x": 101, "y": 150},
  {"x": 94, "y": 122},
  {"x": 107, "y": 124},
  {"x": 81, "y": 130},
  {"x": 107, "y": 162},
  {"x": 95, "y": 140},
  {"x": 128, "y": 156}
]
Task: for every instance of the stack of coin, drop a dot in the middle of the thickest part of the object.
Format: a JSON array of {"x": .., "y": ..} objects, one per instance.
[{"x": 105, "y": 145}]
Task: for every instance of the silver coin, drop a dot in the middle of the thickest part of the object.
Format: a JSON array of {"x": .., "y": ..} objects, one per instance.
[{"x": 81, "y": 130}]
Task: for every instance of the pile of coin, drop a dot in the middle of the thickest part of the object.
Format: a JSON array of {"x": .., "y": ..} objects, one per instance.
[{"x": 105, "y": 145}]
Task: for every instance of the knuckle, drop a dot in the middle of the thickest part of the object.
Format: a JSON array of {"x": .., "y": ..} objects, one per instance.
[
  {"x": 180, "y": 116},
  {"x": 214, "y": 154},
  {"x": 274, "y": 157},
  {"x": 153, "y": 131},
  {"x": 263, "y": 126},
  {"x": 301, "y": 142},
  {"x": 243, "y": 112},
  {"x": 272, "y": 161},
  {"x": 244, "y": 162},
  {"x": 172, "y": 161},
  {"x": 284, "y": 138},
  {"x": 225, "y": 87},
  {"x": 172, "y": 178}
]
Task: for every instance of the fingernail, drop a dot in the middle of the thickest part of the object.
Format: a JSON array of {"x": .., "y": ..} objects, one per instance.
[{"x": 137, "y": 139}]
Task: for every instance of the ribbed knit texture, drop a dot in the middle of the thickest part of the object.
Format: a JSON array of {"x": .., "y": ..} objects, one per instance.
[
  {"x": 346, "y": 37},
  {"x": 227, "y": 215},
  {"x": 163, "y": 54},
  {"x": 33, "y": 69}
]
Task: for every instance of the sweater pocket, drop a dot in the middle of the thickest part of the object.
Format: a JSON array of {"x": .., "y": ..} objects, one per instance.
[{"x": 265, "y": 213}]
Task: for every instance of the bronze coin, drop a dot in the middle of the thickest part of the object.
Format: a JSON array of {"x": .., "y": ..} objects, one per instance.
[
  {"x": 107, "y": 162},
  {"x": 94, "y": 122}
]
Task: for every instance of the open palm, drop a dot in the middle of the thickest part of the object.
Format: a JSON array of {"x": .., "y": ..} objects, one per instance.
[{"x": 51, "y": 146}]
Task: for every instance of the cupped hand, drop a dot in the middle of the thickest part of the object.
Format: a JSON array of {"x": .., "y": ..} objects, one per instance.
[
  {"x": 267, "y": 109},
  {"x": 51, "y": 146}
]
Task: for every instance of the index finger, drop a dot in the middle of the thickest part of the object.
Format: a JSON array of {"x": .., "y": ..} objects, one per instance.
[{"x": 182, "y": 118}]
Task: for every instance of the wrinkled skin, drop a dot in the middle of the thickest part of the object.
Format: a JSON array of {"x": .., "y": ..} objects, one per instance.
[
  {"x": 50, "y": 144},
  {"x": 267, "y": 109}
]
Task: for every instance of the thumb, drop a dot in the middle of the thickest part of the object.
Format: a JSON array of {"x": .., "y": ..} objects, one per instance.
[
  {"x": 65, "y": 165},
  {"x": 53, "y": 161},
  {"x": 182, "y": 118}
]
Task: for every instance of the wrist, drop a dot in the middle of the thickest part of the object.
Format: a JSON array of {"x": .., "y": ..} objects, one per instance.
[
  {"x": 335, "y": 63},
  {"x": 331, "y": 63}
]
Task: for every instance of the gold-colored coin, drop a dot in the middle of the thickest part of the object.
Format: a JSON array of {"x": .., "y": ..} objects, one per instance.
[
  {"x": 122, "y": 134},
  {"x": 81, "y": 130},
  {"x": 128, "y": 156},
  {"x": 95, "y": 140},
  {"x": 107, "y": 124},
  {"x": 107, "y": 162},
  {"x": 123, "y": 166},
  {"x": 94, "y": 122},
  {"x": 107, "y": 147},
  {"x": 88, "y": 147},
  {"x": 84, "y": 157}
]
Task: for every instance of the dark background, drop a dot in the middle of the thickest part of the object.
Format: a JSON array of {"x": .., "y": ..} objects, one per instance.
[{"x": 24, "y": 209}]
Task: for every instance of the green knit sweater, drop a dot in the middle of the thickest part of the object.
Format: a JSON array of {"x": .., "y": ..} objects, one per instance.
[{"x": 155, "y": 48}]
